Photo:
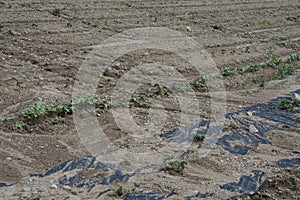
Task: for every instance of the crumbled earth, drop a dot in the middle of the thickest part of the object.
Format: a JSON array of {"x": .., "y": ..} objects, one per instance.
[{"x": 44, "y": 43}]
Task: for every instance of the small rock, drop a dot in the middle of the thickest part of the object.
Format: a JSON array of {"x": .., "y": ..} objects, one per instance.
[
  {"x": 189, "y": 29},
  {"x": 253, "y": 129},
  {"x": 26, "y": 189},
  {"x": 9, "y": 158},
  {"x": 249, "y": 113},
  {"x": 53, "y": 186},
  {"x": 296, "y": 96},
  {"x": 66, "y": 187}
]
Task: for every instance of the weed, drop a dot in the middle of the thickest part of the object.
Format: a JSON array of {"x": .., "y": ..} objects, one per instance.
[
  {"x": 297, "y": 120},
  {"x": 69, "y": 25},
  {"x": 284, "y": 71},
  {"x": 118, "y": 191},
  {"x": 1, "y": 27},
  {"x": 35, "y": 111}
]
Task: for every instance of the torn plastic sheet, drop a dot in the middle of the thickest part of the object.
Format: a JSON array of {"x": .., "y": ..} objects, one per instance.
[
  {"x": 247, "y": 184},
  {"x": 288, "y": 163}
]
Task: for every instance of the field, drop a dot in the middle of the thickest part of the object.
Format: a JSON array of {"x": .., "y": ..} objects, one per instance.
[{"x": 45, "y": 46}]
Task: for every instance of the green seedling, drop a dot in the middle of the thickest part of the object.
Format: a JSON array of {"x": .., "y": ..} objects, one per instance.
[
  {"x": 5, "y": 119},
  {"x": 35, "y": 111},
  {"x": 198, "y": 137},
  {"x": 284, "y": 71},
  {"x": 38, "y": 197},
  {"x": 297, "y": 120},
  {"x": 199, "y": 84},
  {"x": 19, "y": 126},
  {"x": 61, "y": 110},
  {"x": 56, "y": 12},
  {"x": 233, "y": 126},
  {"x": 161, "y": 91},
  {"x": 34, "y": 26},
  {"x": 119, "y": 191},
  {"x": 1, "y": 27},
  {"x": 227, "y": 71},
  {"x": 173, "y": 166}
]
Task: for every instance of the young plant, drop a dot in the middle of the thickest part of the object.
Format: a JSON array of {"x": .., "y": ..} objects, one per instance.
[
  {"x": 173, "y": 166},
  {"x": 119, "y": 191},
  {"x": 284, "y": 71},
  {"x": 161, "y": 91},
  {"x": 227, "y": 71},
  {"x": 36, "y": 111}
]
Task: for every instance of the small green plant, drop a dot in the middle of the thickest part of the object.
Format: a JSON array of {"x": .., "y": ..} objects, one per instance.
[
  {"x": 56, "y": 12},
  {"x": 284, "y": 71},
  {"x": 35, "y": 111},
  {"x": 293, "y": 57},
  {"x": 227, "y": 71},
  {"x": 5, "y": 119},
  {"x": 161, "y": 91},
  {"x": 233, "y": 126},
  {"x": 38, "y": 197},
  {"x": 119, "y": 191},
  {"x": 61, "y": 110},
  {"x": 288, "y": 105},
  {"x": 199, "y": 84},
  {"x": 86, "y": 99},
  {"x": 34, "y": 26},
  {"x": 1, "y": 27},
  {"x": 198, "y": 137},
  {"x": 173, "y": 166},
  {"x": 297, "y": 120},
  {"x": 252, "y": 68},
  {"x": 69, "y": 25},
  {"x": 266, "y": 22},
  {"x": 19, "y": 126}
]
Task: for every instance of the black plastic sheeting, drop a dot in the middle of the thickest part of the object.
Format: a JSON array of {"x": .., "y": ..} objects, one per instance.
[
  {"x": 247, "y": 184},
  {"x": 266, "y": 118},
  {"x": 288, "y": 163}
]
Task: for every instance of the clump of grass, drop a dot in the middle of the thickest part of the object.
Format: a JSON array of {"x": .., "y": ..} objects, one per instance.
[
  {"x": 198, "y": 137},
  {"x": 297, "y": 120}
]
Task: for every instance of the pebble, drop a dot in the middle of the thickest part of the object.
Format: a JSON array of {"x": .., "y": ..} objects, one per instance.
[
  {"x": 253, "y": 129},
  {"x": 53, "y": 186},
  {"x": 26, "y": 189},
  {"x": 9, "y": 158}
]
